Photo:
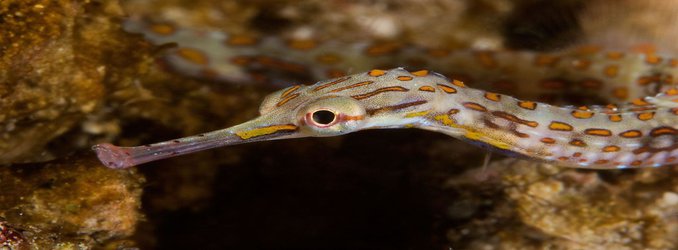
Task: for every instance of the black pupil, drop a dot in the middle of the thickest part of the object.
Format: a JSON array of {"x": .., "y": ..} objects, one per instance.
[{"x": 323, "y": 117}]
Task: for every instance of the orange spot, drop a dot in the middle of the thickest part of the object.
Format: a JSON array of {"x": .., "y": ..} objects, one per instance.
[
  {"x": 241, "y": 40},
  {"x": 560, "y": 126},
  {"x": 376, "y": 72},
  {"x": 621, "y": 93},
  {"x": 578, "y": 143},
  {"x": 458, "y": 83},
  {"x": 328, "y": 58},
  {"x": 548, "y": 140},
  {"x": 427, "y": 89},
  {"x": 674, "y": 63},
  {"x": 193, "y": 55},
  {"x": 163, "y": 29},
  {"x": 674, "y": 111},
  {"x": 492, "y": 96},
  {"x": 636, "y": 163},
  {"x": 486, "y": 59},
  {"x": 615, "y": 118},
  {"x": 581, "y": 114},
  {"x": 527, "y": 105},
  {"x": 382, "y": 49},
  {"x": 672, "y": 91},
  {"x": 639, "y": 102},
  {"x": 563, "y": 158},
  {"x": 404, "y": 78},
  {"x": 631, "y": 134},
  {"x": 646, "y": 116},
  {"x": 453, "y": 111},
  {"x": 600, "y": 162},
  {"x": 612, "y": 148},
  {"x": 576, "y": 154},
  {"x": 671, "y": 159},
  {"x": 302, "y": 44},
  {"x": 614, "y": 55},
  {"x": 447, "y": 89},
  {"x": 598, "y": 132},
  {"x": 611, "y": 71},
  {"x": 475, "y": 106},
  {"x": 545, "y": 60},
  {"x": 652, "y": 59},
  {"x": 420, "y": 73}
]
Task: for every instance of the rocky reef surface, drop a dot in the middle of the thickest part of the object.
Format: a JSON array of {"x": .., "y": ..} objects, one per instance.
[{"x": 70, "y": 77}]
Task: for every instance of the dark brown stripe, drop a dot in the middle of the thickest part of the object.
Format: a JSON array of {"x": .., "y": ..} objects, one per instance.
[
  {"x": 665, "y": 130},
  {"x": 351, "y": 86},
  {"x": 514, "y": 118},
  {"x": 395, "y": 107},
  {"x": 379, "y": 91},
  {"x": 330, "y": 83}
]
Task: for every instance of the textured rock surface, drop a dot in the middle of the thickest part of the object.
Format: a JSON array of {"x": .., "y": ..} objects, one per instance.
[
  {"x": 58, "y": 60},
  {"x": 72, "y": 201},
  {"x": 547, "y": 207}
]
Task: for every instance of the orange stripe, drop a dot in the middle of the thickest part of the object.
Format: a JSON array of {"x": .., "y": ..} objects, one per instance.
[
  {"x": 427, "y": 89},
  {"x": 598, "y": 132},
  {"x": 447, "y": 89},
  {"x": 283, "y": 101},
  {"x": 560, "y": 126},
  {"x": 290, "y": 90},
  {"x": 475, "y": 106},
  {"x": 376, "y": 72},
  {"x": 631, "y": 134}
]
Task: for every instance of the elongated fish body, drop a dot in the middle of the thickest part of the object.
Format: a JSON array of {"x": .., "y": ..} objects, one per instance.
[
  {"x": 584, "y": 71},
  {"x": 641, "y": 130}
]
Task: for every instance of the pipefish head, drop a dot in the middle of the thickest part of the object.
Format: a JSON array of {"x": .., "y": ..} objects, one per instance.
[{"x": 374, "y": 99}]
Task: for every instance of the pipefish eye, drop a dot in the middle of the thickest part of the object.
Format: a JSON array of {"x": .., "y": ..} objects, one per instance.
[
  {"x": 332, "y": 116},
  {"x": 323, "y": 117}
]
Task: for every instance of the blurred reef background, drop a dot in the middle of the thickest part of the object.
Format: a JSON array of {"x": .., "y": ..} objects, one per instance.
[{"x": 70, "y": 77}]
